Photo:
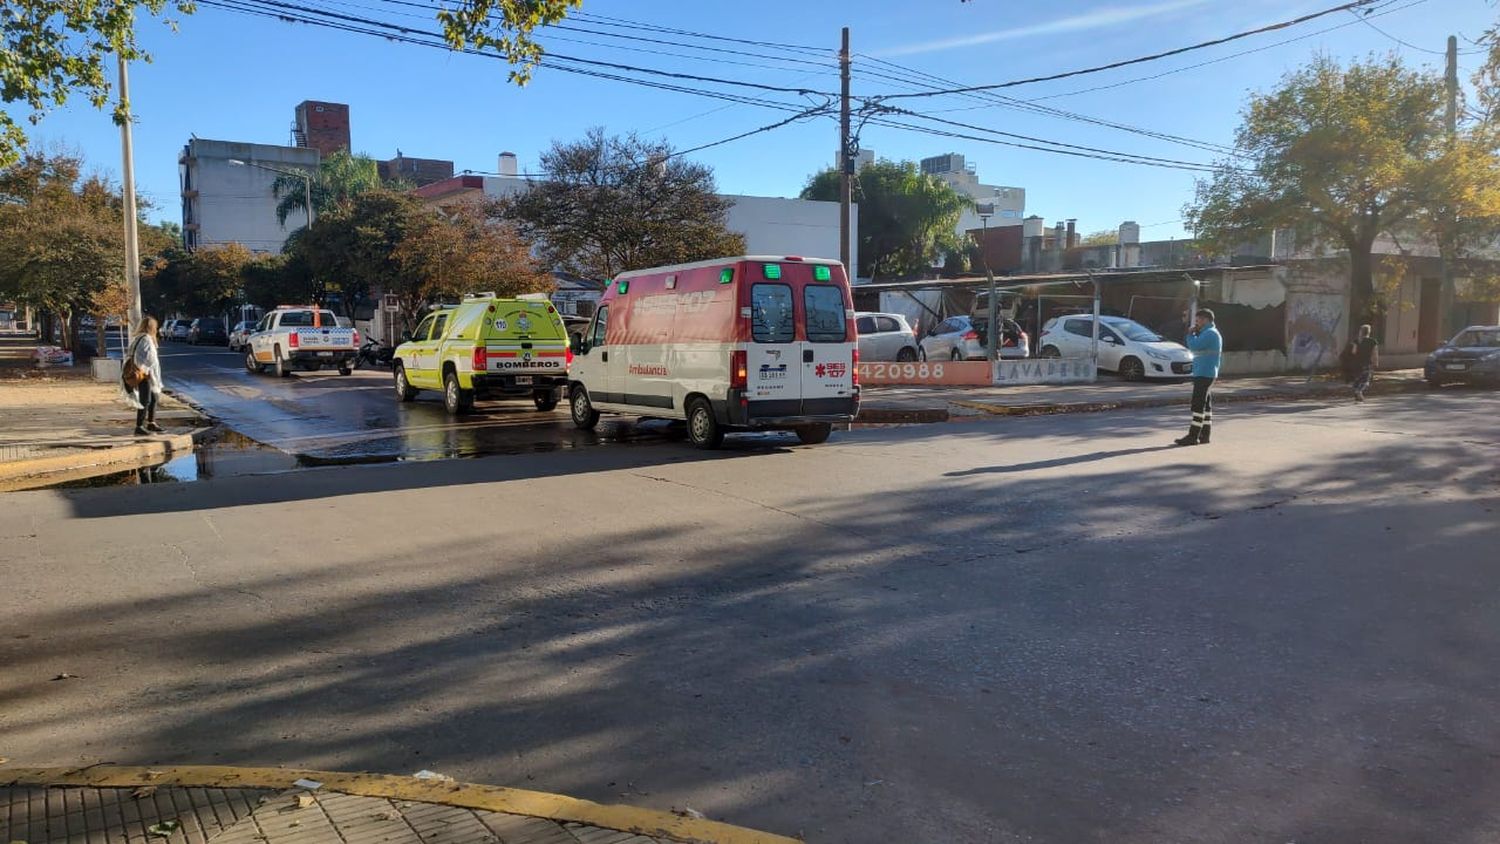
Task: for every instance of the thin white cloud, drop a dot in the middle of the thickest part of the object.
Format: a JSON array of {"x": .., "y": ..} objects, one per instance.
[{"x": 1108, "y": 16}]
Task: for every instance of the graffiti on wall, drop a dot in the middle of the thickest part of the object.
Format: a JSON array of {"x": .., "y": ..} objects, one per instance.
[{"x": 1312, "y": 330}]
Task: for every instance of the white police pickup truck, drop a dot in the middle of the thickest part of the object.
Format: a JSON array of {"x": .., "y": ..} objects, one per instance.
[{"x": 301, "y": 337}]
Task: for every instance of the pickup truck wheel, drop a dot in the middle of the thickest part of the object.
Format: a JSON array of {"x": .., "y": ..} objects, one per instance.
[
  {"x": 282, "y": 370},
  {"x": 815, "y": 433},
  {"x": 584, "y": 414},
  {"x": 703, "y": 428},
  {"x": 252, "y": 364},
  {"x": 404, "y": 390},
  {"x": 546, "y": 400},
  {"x": 456, "y": 399}
]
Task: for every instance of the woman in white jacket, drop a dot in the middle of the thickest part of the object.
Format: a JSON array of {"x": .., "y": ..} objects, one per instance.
[{"x": 145, "y": 396}]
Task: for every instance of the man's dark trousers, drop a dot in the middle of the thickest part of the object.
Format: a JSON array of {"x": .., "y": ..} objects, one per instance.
[{"x": 1203, "y": 410}]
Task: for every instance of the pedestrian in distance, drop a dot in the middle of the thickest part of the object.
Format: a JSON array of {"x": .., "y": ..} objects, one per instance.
[
  {"x": 140, "y": 377},
  {"x": 1207, "y": 346},
  {"x": 1366, "y": 358}
]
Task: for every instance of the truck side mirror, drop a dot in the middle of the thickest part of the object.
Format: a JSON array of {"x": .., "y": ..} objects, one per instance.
[{"x": 580, "y": 345}]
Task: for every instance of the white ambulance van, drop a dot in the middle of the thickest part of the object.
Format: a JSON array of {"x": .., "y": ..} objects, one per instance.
[{"x": 747, "y": 343}]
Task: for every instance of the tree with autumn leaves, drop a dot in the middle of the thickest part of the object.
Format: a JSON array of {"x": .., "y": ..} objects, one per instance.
[{"x": 1347, "y": 154}]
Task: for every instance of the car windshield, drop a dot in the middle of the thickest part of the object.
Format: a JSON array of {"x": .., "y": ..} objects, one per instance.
[
  {"x": 1486, "y": 338},
  {"x": 1133, "y": 330}
]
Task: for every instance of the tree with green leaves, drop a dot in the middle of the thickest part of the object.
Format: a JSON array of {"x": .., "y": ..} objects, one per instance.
[
  {"x": 908, "y": 220},
  {"x": 339, "y": 178},
  {"x": 53, "y": 48},
  {"x": 204, "y": 281},
  {"x": 610, "y": 204},
  {"x": 1344, "y": 155},
  {"x": 61, "y": 239},
  {"x": 444, "y": 256}
]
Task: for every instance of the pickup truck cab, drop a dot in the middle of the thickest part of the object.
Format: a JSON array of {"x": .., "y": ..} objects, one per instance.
[
  {"x": 486, "y": 347},
  {"x": 304, "y": 337}
]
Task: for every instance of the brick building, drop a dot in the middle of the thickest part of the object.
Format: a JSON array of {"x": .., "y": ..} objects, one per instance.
[{"x": 321, "y": 126}]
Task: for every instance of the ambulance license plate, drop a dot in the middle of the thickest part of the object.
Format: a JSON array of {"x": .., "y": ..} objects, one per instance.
[{"x": 523, "y": 380}]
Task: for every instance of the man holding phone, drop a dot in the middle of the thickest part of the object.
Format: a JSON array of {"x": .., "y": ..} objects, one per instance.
[{"x": 1207, "y": 346}]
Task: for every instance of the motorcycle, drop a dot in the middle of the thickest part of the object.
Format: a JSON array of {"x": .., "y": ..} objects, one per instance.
[{"x": 373, "y": 353}]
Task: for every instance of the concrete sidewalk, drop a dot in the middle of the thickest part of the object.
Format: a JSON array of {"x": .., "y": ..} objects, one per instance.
[
  {"x": 937, "y": 404},
  {"x": 197, "y": 805},
  {"x": 59, "y": 424}
]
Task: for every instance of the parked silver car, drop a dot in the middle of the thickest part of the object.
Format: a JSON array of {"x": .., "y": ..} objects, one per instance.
[
  {"x": 239, "y": 338},
  {"x": 962, "y": 338},
  {"x": 1125, "y": 346},
  {"x": 885, "y": 337}
]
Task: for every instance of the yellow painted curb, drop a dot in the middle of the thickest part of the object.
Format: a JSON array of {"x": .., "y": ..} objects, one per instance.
[
  {"x": 149, "y": 451},
  {"x": 491, "y": 798}
]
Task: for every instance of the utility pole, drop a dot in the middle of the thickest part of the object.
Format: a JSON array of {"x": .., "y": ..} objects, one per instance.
[
  {"x": 132, "y": 240},
  {"x": 992, "y": 337},
  {"x": 846, "y": 158},
  {"x": 1447, "y": 294}
]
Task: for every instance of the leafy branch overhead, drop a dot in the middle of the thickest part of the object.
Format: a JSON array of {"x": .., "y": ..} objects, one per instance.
[{"x": 55, "y": 48}]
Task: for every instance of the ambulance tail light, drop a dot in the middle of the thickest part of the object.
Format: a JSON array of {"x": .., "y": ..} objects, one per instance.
[
  {"x": 292, "y": 340},
  {"x": 481, "y": 359},
  {"x": 854, "y": 368},
  {"x": 739, "y": 370}
]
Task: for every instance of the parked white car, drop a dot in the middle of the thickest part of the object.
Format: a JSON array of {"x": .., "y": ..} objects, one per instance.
[
  {"x": 885, "y": 337},
  {"x": 239, "y": 338},
  {"x": 962, "y": 338},
  {"x": 1125, "y": 347}
]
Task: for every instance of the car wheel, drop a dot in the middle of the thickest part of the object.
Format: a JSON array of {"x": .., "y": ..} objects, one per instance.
[
  {"x": 957, "y": 355},
  {"x": 345, "y": 369},
  {"x": 404, "y": 390},
  {"x": 922, "y": 354},
  {"x": 456, "y": 399},
  {"x": 815, "y": 433},
  {"x": 906, "y": 355},
  {"x": 1131, "y": 369},
  {"x": 1434, "y": 383},
  {"x": 584, "y": 414},
  {"x": 545, "y": 400},
  {"x": 282, "y": 370},
  {"x": 1050, "y": 352},
  {"x": 703, "y": 428},
  {"x": 252, "y": 364}
]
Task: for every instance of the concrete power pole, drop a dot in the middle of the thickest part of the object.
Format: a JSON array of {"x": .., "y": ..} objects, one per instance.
[
  {"x": 132, "y": 239},
  {"x": 1447, "y": 295},
  {"x": 846, "y": 159}
]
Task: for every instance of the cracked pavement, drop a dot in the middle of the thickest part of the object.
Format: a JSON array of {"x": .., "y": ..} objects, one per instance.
[{"x": 1033, "y": 629}]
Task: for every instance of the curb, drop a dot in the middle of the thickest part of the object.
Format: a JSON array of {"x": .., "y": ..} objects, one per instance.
[
  {"x": 492, "y": 798},
  {"x": 23, "y": 474},
  {"x": 880, "y": 415},
  {"x": 991, "y": 409}
]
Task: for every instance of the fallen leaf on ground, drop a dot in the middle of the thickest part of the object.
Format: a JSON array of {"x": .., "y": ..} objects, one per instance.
[
  {"x": 143, "y": 792},
  {"x": 304, "y": 801},
  {"x": 387, "y": 815},
  {"x": 151, "y": 775},
  {"x": 163, "y": 829}
]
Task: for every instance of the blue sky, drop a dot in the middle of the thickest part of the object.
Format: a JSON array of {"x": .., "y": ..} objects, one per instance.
[{"x": 235, "y": 77}]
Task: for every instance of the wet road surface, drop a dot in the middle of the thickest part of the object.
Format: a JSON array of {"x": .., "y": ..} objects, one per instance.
[{"x": 326, "y": 418}]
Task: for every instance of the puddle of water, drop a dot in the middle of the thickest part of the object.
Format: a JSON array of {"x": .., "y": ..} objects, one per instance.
[{"x": 228, "y": 454}]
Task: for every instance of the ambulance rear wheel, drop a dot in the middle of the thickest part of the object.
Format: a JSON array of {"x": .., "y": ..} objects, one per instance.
[
  {"x": 703, "y": 428},
  {"x": 584, "y": 414},
  {"x": 546, "y": 400},
  {"x": 815, "y": 433}
]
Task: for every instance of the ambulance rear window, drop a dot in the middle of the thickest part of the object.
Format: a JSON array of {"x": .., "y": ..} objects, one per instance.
[
  {"x": 771, "y": 314},
  {"x": 826, "y": 322}
]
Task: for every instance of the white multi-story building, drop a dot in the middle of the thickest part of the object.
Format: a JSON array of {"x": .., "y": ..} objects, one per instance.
[
  {"x": 1009, "y": 202},
  {"x": 227, "y": 202}
]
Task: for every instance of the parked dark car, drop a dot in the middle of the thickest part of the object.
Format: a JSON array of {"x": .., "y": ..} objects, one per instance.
[
  {"x": 208, "y": 331},
  {"x": 1471, "y": 357}
]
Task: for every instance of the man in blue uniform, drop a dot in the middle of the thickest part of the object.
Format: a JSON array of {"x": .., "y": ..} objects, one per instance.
[{"x": 1207, "y": 346}]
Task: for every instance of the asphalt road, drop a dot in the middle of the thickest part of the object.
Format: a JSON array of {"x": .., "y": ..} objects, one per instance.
[
  {"x": 1043, "y": 629},
  {"x": 323, "y": 417}
]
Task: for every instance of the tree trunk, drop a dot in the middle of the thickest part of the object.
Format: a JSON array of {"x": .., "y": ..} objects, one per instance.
[{"x": 1363, "y": 306}]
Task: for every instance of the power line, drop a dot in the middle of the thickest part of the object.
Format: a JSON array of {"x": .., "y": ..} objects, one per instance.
[
  {"x": 1122, "y": 158},
  {"x": 640, "y": 25},
  {"x": 1384, "y": 10},
  {"x": 1408, "y": 44},
  {"x": 992, "y": 99},
  {"x": 1142, "y": 59}
]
